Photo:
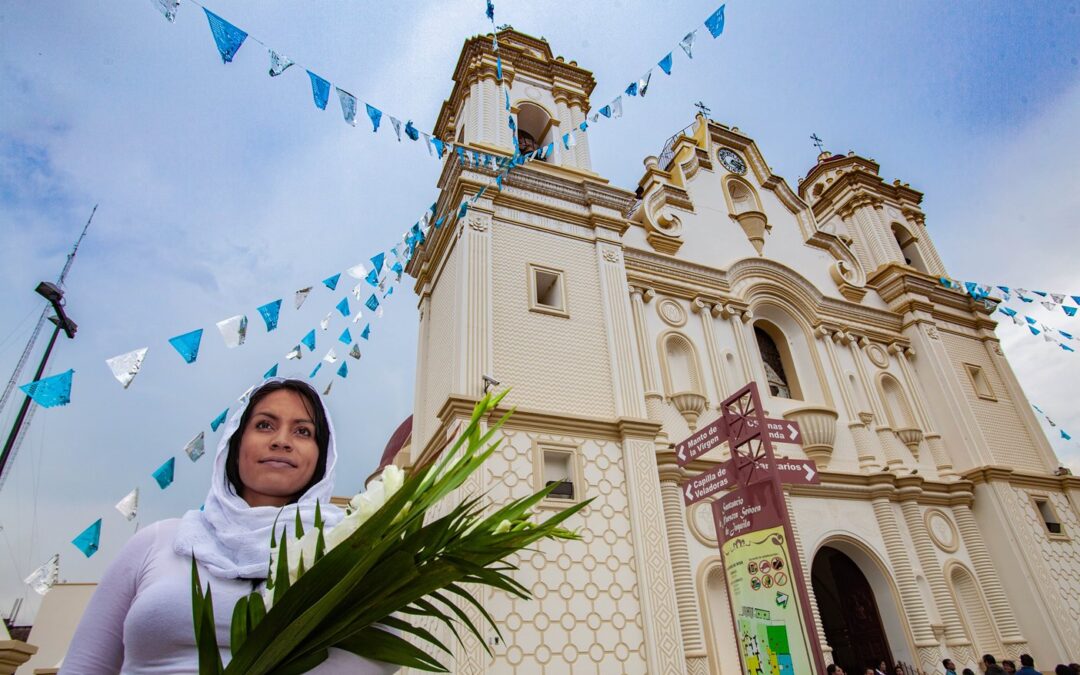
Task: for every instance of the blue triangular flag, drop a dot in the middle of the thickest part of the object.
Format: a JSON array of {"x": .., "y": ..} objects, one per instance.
[
  {"x": 366, "y": 334},
  {"x": 343, "y": 307},
  {"x": 50, "y": 391},
  {"x": 411, "y": 131},
  {"x": 375, "y": 114},
  {"x": 331, "y": 282},
  {"x": 220, "y": 419},
  {"x": 372, "y": 278},
  {"x": 1071, "y": 311},
  {"x": 632, "y": 89},
  {"x": 343, "y": 370},
  {"x": 715, "y": 23},
  {"x": 1007, "y": 310},
  {"x": 1066, "y": 347},
  {"x": 89, "y": 539},
  {"x": 490, "y": 10},
  {"x": 1026, "y": 299},
  {"x": 1038, "y": 408},
  {"x": 269, "y": 313},
  {"x": 397, "y": 268},
  {"x": 227, "y": 36},
  {"x": 377, "y": 261},
  {"x": 972, "y": 288},
  {"x": 1030, "y": 320},
  {"x": 1068, "y": 335},
  {"x": 1005, "y": 289},
  {"x": 372, "y": 303},
  {"x": 665, "y": 64},
  {"x": 188, "y": 344},
  {"x": 1076, "y": 299},
  {"x": 346, "y": 337},
  {"x": 498, "y": 67},
  {"x": 164, "y": 473},
  {"x": 270, "y": 373},
  {"x": 309, "y": 340},
  {"x": 315, "y": 370},
  {"x": 606, "y": 111},
  {"x": 320, "y": 90},
  {"x": 1034, "y": 330},
  {"x": 464, "y": 208},
  {"x": 947, "y": 283},
  {"x": 438, "y": 146},
  {"x": 1065, "y": 435},
  {"x": 1040, "y": 293},
  {"x": 388, "y": 293}
]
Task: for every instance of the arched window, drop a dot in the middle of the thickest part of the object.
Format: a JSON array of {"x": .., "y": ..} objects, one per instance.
[
  {"x": 976, "y": 616},
  {"x": 896, "y": 404},
  {"x": 681, "y": 366},
  {"x": 908, "y": 247},
  {"x": 534, "y": 126},
  {"x": 779, "y": 371},
  {"x": 741, "y": 198}
]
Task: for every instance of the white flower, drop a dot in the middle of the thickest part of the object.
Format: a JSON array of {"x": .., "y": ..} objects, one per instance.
[
  {"x": 393, "y": 478},
  {"x": 502, "y": 528}
]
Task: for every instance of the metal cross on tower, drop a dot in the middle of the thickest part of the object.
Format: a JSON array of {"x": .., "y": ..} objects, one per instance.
[
  {"x": 704, "y": 109},
  {"x": 818, "y": 142}
]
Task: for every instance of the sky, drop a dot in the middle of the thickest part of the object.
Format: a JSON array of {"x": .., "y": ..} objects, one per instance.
[{"x": 220, "y": 188}]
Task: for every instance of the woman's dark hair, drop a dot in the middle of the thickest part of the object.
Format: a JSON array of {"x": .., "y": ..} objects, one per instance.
[{"x": 318, "y": 416}]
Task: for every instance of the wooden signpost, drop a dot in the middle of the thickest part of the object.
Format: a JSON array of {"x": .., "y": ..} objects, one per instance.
[{"x": 770, "y": 605}]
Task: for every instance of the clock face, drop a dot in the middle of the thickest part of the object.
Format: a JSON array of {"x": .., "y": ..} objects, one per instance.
[{"x": 731, "y": 161}]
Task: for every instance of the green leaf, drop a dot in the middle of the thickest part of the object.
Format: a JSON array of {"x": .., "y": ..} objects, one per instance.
[
  {"x": 320, "y": 544},
  {"x": 464, "y": 618},
  {"x": 209, "y": 656},
  {"x": 380, "y": 645},
  {"x": 418, "y": 631},
  {"x": 239, "y": 627},
  {"x": 299, "y": 524},
  {"x": 196, "y": 597},
  {"x": 281, "y": 577},
  {"x": 256, "y": 611},
  {"x": 318, "y": 516},
  {"x": 303, "y": 664}
]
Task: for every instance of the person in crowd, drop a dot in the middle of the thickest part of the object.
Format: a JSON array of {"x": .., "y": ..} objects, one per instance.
[
  {"x": 1075, "y": 667},
  {"x": 968, "y": 671},
  {"x": 899, "y": 670},
  {"x": 1027, "y": 665},
  {"x": 833, "y": 669},
  {"x": 990, "y": 665},
  {"x": 950, "y": 667},
  {"x": 275, "y": 459},
  {"x": 1009, "y": 666},
  {"x": 1062, "y": 669},
  {"x": 882, "y": 668}
]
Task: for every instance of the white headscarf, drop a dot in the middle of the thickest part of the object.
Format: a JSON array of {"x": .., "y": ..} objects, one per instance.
[{"x": 232, "y": 539}]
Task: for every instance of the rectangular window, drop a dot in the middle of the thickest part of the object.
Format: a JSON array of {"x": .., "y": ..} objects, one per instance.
[
  {"x": 980, "y": 382},
  {"x": 1048, "y": 515},
  {"x": 547, "y": 290},
  {"x": 558, "y": 464}
]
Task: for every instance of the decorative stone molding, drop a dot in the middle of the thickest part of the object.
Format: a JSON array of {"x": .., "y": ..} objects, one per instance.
[
  {"x": 942, "y": 530},
  {"x": 14, "y": 653},
  {"x": 911, "y": 437},
  {"x": 755, "y": 226},
  {"x": 690, "y": 405},
  {"x": 700, "y": 518},
  {"x": 876, "y": 354},
  {"x": 671, "y": 312},
  {"x": 849, "y": 279},
  {"x": 611, "y": 256},
  {"x": 818, "y": 425},
  {"x": 478, "y": 223}
]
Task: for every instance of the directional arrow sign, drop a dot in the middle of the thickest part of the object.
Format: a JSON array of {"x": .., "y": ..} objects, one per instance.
[
  {"x": 716, "y": 433},
  {"x": 781, "y": 599},
  {"x": 720, "y": 477},
  {"x": 791, "y": 471}
]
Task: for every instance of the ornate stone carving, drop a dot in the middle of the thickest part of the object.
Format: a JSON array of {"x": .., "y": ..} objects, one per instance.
[
  {"x": 849, "y": 279},
  {"x": 611, "y": 256},
  {"x": 931, "y": 332},
  {"x": 818, "y": 425},
  {"x": 911, "y": 437},
  {"x": 671, "y": 312},
  {"x": 877, "y": 355},
  {"x": 942, "y": 530},
  {"x": 690, "y": 405},
  {"x": 755, "y": 225},
  {"x": 478, "y": 223}
]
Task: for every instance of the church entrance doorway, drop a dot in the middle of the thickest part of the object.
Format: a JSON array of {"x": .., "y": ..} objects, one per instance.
[{"x": 849, "y": 612}]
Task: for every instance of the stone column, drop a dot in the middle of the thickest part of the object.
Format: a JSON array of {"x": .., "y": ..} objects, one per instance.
[
  {"x": 685, "y": 595},
  {"x": 937, "y": 447},
  {"x": 910, "y": 598},
  {"x": 489, "y": 93},
  {"x": 807, "y": 564},
  {"x": 581, "y": 150},
  {"x": 988, "y": 579},
  {"x": 474, "y": 326},
  {"x": 744, "y": 316},
  {"x": 565, "y": 123},
  {"x": 639, "y": 296},
  {"x": 928, "y": 561},
  {"x": 886, "y": 439},
  {"x": 14, "y": 653},
  {"x": 626, "y": 374},
  {"x": 656, "y": 584},
  {"x": 708, "y": 309}
]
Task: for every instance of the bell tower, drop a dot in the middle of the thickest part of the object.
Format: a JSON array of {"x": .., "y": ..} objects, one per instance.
[{"x": 528, "y": 287}]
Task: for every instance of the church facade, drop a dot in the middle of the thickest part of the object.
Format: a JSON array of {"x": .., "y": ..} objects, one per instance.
[{"x": 942, "y": 526}]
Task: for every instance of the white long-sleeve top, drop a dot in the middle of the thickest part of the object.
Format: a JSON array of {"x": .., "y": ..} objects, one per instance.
[{"x": 139, "y": 620}]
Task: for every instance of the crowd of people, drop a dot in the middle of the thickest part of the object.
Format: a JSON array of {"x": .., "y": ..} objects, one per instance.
[{"x": 989, "y": 666}]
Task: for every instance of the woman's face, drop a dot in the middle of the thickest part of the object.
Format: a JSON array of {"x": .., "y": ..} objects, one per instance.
[{"x": 278, "y": 452}]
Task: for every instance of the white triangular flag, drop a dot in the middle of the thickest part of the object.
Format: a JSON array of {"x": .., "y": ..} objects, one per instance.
[
  {"x": 1048, "y": 304},
  {"x": 250, "y": 390},
  {"x": 44, "y": 577},
  {"x": 233, "y": 330},
  {"x": 301, "y": 296},
  {"x": 168, "y": 8},
  {"x": 643, "y": 84},
  {"x": 325, "y": 323},
  {"x": 359, "y": 315},
  {"x": 295, "y": 353},
  {"x": 326, "y": 392},
  {"x": 397, "y": 126},
  {"x": 616, "y": 108},
  {"x": 129, "y": 505},
  {"x": 355, "y": 352},
  {"x": 357, "y": 271},
  {"x": 358, "y": 291},
  {"x": 1058, "y": 298},
  {"x": 331, "y": 356},
  {"x": 196, "y": 447},
  {"x": 126, "y": 366},
  {"x": 687, "y": 43}
]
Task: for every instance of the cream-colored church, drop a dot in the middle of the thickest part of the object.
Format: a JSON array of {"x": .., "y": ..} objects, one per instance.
[{"x": 621, "y": 317}]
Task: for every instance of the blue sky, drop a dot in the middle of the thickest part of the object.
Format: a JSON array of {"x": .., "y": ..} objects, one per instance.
[{"x": 221, "y": 189}]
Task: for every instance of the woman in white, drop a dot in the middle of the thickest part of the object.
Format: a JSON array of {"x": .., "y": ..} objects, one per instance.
[{"x": 276, "y": 451}]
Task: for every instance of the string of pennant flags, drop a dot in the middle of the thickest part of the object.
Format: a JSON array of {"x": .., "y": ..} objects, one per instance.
[
  {"x": 387, "y": 267},
  {"x": 997, "y": 297},
  {"x": 1064, "y": 435}
]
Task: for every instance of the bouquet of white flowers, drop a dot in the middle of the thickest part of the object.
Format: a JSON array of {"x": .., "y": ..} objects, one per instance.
[{"x": 352, "y": 586}]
